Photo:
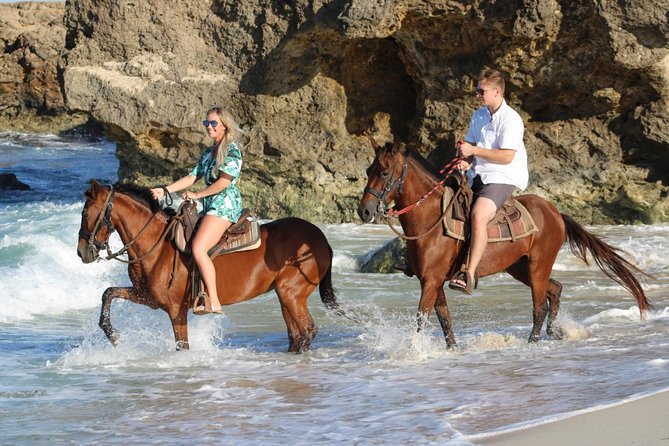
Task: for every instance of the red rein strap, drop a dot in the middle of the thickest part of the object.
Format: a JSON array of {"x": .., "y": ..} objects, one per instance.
[{"x": 450, "y": 167}]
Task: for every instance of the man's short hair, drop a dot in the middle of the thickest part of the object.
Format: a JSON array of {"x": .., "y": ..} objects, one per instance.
[{"x": 493, "y": 77}]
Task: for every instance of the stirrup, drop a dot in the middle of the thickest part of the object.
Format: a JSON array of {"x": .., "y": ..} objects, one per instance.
[
  {"x": 464, "y": 277},
  {"x": 200, "y": 303}
]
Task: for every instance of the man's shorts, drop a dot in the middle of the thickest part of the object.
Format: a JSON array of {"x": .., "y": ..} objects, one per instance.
[{"x": 498, "y": 193}]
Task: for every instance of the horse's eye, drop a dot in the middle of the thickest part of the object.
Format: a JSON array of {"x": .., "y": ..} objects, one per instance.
[{"x": 384, "y": 174}]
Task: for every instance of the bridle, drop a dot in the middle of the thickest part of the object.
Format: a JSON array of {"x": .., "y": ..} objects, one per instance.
[
  {"x": 104, "y": 219},
  {"x": 390, "y": 186}
]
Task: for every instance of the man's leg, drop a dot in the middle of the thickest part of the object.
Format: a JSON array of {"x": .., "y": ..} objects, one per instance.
[{"x": 483, "y": 211}]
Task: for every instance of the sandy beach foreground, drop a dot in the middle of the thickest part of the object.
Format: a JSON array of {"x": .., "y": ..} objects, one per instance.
[{"x": 640, "y": 422}]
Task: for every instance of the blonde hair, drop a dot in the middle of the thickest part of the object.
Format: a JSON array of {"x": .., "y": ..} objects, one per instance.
[
  {"x": 494, "y": 77},
  {"x": 232, "y": 133}
]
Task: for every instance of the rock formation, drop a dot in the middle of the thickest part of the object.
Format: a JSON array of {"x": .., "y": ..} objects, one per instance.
[
  {"x": 309, "y": 81},
  {"x": 32, "y": 36}
]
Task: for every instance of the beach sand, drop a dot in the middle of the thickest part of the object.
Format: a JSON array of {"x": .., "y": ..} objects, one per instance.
[{"x": 640, "y": 422}]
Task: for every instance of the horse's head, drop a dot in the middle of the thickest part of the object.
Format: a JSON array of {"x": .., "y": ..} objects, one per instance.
[
  {"x": 96, "y": 226},
  {"x": 385, "y": 177}
]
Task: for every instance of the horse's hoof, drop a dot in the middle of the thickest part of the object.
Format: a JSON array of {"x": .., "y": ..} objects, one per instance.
[
  {"x": 555, "y": 333},
  {"x": 114, "y": 337},
  {"x": 533, "y": 338}
]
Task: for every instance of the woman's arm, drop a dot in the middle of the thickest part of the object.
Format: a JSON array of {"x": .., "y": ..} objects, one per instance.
[
  {"x": 178, "y": 185},
  {"x": 223, "y": 182}
]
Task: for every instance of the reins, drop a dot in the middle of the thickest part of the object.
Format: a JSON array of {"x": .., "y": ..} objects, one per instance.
[
  {"x": 450, "y": 166},
  {"x": 105, "y": 217},
  {"x": 124, "y": 249}
]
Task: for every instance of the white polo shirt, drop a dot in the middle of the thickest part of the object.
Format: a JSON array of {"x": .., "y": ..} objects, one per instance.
[{"x": 502, "y": 130}]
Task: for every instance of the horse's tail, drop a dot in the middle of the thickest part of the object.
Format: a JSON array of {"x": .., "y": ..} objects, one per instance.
[
  {"x": 328, "y": 295},
  {"x": 325, "y": 288},
  {"x": 607, "y": 259}
]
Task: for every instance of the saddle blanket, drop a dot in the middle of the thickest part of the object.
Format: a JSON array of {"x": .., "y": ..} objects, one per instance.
[
  {"x": 245, "y": 238},
  {"x": 241, "y": 236},
  {"x": 512, "y": 221}
]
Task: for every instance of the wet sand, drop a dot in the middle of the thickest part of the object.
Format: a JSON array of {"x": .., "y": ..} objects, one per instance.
[{"x": 641, "y": 422}]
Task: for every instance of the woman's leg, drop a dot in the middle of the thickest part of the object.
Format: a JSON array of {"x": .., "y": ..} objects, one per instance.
[{"x": 210, "y": 232}]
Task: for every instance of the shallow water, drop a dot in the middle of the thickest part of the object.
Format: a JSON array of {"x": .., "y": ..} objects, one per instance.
[{"x": 372, "y": 382}]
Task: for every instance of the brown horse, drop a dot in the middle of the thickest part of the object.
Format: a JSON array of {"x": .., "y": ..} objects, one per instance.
[
  {"x": 406, "y": 178},
  {"x": 293, "y": 259}
]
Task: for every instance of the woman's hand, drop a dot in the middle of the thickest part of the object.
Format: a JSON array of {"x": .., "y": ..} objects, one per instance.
[
  {"x": 189, "y": 195},
  {"x": 157, "y": 192}
]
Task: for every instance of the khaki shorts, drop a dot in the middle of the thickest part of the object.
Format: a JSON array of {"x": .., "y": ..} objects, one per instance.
[{"x": 498, "y": 193}]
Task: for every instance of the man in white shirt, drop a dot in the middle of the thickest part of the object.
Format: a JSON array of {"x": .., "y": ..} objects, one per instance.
[{"x": 497, "y": 165}]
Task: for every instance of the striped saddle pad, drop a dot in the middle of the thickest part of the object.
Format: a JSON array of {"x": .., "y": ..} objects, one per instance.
[{"x": 242, "y": 236}]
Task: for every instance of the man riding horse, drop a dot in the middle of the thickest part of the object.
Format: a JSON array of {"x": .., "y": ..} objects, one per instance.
[{"x": 496, "y": 164}]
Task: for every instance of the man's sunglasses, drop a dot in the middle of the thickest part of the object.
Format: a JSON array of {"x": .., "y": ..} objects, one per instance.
[{"x": 208, "y": 123}]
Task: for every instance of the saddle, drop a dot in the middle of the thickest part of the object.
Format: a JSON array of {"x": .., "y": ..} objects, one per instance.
[
  {"x": 241, "y": 236},
  {"x": 511, "y": 222}
]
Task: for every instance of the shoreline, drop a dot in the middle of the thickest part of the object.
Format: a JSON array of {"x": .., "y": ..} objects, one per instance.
[{"x": 640, "y": 420}]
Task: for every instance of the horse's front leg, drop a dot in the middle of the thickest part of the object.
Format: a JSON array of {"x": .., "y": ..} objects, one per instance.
[
  {"x": 428, "y": 296},
  {"x": 110, "y": 294},
  {"x": 180, "y": 329},
  {"x": 444, "y": 316}
]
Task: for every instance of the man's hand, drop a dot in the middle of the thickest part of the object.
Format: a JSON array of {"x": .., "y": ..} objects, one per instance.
[{"x": 466, "y": 149}]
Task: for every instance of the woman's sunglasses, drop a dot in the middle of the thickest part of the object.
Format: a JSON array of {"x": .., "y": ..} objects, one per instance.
[{"x": 208, "y": 123}]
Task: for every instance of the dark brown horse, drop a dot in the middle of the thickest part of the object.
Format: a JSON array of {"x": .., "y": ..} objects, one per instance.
[
  {"x": 293, "y": 259},
  {"x": 405, "y": 178}
]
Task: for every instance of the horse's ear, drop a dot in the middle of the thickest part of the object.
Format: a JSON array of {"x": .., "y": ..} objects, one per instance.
[
  {"x": 375, "y": 145},
  {"x": 93, "y": 190},
  {"x": 397, "y": 147}
]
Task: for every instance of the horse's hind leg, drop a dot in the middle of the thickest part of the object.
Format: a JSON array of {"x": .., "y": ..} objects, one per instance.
[
  {"x": 301, "y": 327},
  {"x": 110, "y": 294},
  {"x": 553, "y": 295},
  {"x": 522, "y": 271},
  {"x": 294, "y": 336}
]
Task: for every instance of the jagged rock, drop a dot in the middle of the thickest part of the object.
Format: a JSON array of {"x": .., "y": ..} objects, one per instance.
[
  {"x": 310, "y": 80},
  {"x": 32, "y": 36},
  {"x": 8, "y": 181}
]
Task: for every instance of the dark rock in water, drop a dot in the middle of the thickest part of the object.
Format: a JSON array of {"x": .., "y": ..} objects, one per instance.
[
  {"x": 390, "y": 258},
  {"x": 8, "y": 181}
]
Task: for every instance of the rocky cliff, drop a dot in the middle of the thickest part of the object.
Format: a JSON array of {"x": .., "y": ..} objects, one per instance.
[{"x": 310, "y": 80}]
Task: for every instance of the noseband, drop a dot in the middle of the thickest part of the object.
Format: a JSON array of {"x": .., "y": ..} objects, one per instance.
[
  {"x": 391, "y": 185},
  {"x": 104, "y": 219}
]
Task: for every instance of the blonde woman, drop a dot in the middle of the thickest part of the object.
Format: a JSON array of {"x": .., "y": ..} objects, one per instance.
[{"x": 219, "y": 166}]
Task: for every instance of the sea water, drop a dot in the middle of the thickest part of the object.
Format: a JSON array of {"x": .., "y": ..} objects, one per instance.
[{"x": 373, "y": 381}]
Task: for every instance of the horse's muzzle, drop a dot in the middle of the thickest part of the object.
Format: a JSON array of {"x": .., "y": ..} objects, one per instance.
[
  {"x": 367, "y": 212},
  {"x": 86, "y": 252}
]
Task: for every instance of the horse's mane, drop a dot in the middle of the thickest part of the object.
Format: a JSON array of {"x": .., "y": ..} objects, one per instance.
[
  {"x": 430, "y": 168},
  {"x": 141, "y": 194}
]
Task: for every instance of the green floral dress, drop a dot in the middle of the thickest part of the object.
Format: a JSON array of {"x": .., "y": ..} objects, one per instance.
[{"x": 228, "y": 202}]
